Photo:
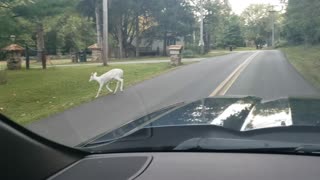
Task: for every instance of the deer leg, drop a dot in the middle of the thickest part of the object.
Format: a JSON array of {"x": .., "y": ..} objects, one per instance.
[
  {"x": 121, "y": 81},
  {"x": 109, "y": 87},
  {"x": 99, "y": 90},
  {"x": 121, "y": 87},
  {"x": 116, "y": 87}
]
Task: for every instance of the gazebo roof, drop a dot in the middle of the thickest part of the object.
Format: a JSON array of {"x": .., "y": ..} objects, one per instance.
[
  {"x": 13, "y": 47},
  {"x": 94, "y": 47},
  {"x": 175, "y": 47}
]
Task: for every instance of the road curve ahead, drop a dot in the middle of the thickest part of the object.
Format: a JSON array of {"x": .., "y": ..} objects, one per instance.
[{"x": 267, "y": 75}]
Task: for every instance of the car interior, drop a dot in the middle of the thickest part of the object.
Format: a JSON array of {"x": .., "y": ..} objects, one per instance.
[{"x": 26, "y": 155}]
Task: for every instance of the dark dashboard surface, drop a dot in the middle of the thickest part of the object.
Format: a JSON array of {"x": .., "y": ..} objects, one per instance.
[
  {"x": 191, "y": 166},
  {"x": 25, "y": 155}
]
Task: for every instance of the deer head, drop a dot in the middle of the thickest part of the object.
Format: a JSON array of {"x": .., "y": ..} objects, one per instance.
[{"x": 93, "y": 76}]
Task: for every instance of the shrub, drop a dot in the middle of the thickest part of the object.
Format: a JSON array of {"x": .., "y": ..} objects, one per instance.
[
  {"x": 194, "y": 48},
  {"x": 188, "y": 53}
]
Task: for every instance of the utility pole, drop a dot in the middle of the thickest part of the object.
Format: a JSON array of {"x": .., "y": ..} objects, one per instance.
[
  {"x": 201, "y": 42},
  {"x": 105, "y": 47},
  {"x": 272, "y": 11},
  {"x": 273, "y": 44}
]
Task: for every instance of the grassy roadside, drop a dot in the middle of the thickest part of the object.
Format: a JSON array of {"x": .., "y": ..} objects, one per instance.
[
  {"x": 35, "y": 94},
  {"x": 306, "y": 61}
]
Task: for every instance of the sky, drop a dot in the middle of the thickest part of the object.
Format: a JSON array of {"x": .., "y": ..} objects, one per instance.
[{"x": 239, "y": 5}]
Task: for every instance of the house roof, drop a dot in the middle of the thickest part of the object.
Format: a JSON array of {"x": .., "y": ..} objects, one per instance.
[
  {"x": 94, "y": 47},
  {"x": 13, "y": 47}
]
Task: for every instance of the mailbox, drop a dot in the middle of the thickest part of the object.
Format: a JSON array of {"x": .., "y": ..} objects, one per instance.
[{"x": 175, "y": 54}]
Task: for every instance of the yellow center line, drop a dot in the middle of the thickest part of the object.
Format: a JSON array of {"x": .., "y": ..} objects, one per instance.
[{"x": 225, "y": 85}]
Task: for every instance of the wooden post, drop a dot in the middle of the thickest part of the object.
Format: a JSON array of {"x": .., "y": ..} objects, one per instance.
[{"x": 27, "y": 57}]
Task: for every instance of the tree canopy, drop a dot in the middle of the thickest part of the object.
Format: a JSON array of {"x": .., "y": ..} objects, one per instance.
[
  {"x": 302, "y": 22},
  {"x": 75, "y": 24}
]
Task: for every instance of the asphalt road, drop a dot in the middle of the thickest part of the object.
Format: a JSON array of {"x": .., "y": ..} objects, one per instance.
[{"x": 269, "y": 75}]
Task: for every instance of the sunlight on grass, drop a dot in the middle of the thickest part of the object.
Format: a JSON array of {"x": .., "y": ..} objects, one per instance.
[{"x": 35, "y": 94}]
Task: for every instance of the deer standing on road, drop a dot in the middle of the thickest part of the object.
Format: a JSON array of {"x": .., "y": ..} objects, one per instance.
[{"x": 106, "y": 78}]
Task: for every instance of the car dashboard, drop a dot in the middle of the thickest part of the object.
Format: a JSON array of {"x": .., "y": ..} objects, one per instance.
[
  {"x": 190, "y": 166},
  {"x": 25, "y": 155}
]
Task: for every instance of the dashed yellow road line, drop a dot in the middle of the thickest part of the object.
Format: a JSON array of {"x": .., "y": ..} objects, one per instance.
[{"x": 225, "y": 85}]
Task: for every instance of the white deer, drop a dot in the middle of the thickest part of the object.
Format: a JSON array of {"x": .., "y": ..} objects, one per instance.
[{"x": 114, "y": 74}]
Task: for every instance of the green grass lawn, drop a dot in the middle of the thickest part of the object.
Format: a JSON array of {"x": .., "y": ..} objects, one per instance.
[
  {"x": 3, "y": 64},
  {"x": 306, "y": 61},
  {"x": 35, "y": 94}
]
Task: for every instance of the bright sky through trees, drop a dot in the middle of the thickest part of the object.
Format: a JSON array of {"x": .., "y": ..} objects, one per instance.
[{"x": 239, "y": 5}]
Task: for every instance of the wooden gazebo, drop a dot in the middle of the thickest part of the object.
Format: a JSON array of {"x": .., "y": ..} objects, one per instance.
[
  {"x": 96, "y": 52},
  {"x": 13, "y": 56}
]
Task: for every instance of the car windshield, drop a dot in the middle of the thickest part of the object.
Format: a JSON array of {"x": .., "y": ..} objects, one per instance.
[{"x": 99, "y": 73}]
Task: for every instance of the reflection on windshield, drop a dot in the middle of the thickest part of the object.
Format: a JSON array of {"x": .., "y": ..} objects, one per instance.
[
  {"x": 232, "y": 110},
  {"x": 239, "y": 114},
  {"x": 272, "y": 114},
  {"x": 196, "y": 113}
]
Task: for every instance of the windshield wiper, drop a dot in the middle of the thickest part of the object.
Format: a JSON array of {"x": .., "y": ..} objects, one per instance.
[{"x": 240, "y": 145}]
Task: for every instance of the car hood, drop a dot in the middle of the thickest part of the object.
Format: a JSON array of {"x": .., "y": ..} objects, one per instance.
[{"x": 239, "y": 114}]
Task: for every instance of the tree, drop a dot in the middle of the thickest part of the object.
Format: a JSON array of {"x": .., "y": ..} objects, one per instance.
[
  {"x": 216, "y": 21},
  {"x": 36, "y": 12},
  {"x": 122, "y": 24},
  {"x": 257, "y": 23},
  {"x": 10, "y": 25},
  {"x": 233, "y": 34},
  {"x": 73, "y": 33},
  {"x": 128, "y": 22},
  {"x": 92, "y": 8},
  {"x": 172, "y": 18},
  {"x": 302, "y": 22}
]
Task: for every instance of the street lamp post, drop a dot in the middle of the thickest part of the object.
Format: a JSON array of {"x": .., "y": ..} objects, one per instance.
[{"x": 273, "y": 11}]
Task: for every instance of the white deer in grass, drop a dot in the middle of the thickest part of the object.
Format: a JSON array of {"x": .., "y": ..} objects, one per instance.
[{"x": 106, "y": 78}]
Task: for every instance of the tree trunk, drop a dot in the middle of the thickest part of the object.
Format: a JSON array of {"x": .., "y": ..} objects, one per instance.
[
  {"x": 194, "y": 37},
  {"x": 120, "y": 39},
  {"x": 40, "y": 44},
  {"x": 99, "y": 33},
  {"x": 164, "y": 53},
  {"x": 138, "y": 40}
]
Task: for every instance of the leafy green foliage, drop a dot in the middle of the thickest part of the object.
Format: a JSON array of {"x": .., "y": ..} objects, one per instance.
[
  {"x": 188, "y": 53},
  {"x": 217, "y": 14},
  {"x": 302, "y": 23},
  {"x": 233, "y": 34},
  {"x": 73, "y": 33},
  {"x": 257, "y": 23},
  {"x": 37, "y": 10}
]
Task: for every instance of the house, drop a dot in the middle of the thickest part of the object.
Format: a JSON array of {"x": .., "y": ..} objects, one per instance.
[{"x": 156, "y": 47}]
